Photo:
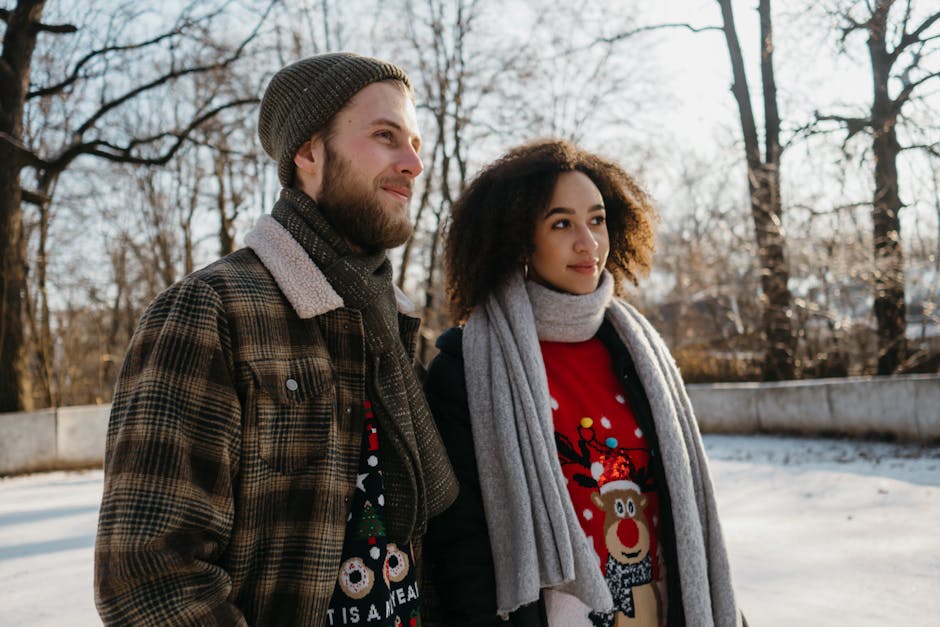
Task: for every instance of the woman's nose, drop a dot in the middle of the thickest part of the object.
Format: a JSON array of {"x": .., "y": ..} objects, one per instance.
[{"x": 586, "y": 241}]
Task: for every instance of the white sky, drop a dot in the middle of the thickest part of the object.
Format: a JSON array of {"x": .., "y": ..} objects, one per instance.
[{"x": 820, "y": 532}]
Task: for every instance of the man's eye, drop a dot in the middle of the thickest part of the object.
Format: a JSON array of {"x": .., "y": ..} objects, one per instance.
[{"x": 384, "y": 134}]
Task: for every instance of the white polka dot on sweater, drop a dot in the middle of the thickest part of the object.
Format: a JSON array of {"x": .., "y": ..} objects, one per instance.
[
  {"x": 638, "y": 432},
  {"x": 605, "y": 422},
  {"x": 373, "y": 461},
  {"x": 621, "y": 399},
  {"x": 554, "y": 403},
  {"x": 588, "y": 514},
  {"x": 597, "y": 469}
]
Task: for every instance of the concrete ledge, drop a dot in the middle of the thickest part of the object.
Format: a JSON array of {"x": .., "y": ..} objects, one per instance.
[
  {"x": 67, "y": 437},
  {"x": 725, "y": 407},
  {"x": 928, "y": 409},
  {"x": 27, "y": 441},
  {"x": 81, "y": 434},
  {"x": 903, "y": 407}
]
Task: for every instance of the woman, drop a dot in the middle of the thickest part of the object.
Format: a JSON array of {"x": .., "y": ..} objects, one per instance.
[{"x": 585, "y": 493}]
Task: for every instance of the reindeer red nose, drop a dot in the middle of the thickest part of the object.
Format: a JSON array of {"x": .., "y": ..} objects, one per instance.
[{"x": 628, "y": 533}]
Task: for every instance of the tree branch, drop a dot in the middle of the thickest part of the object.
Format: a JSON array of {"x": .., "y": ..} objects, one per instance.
[
  {"x": 24, "y": 156},
  {"x": 852, "y": 125},
  {"x": 909, "y": 88},
  {"x": 637, "y": 31},
  {"x": 124, "y": 154},
  {"x": 832, "y": 210},
  {"x": 75, "y": 75},
  {"x": 173, "y": 75},
  {"x": 35, "y": 198},
  {"x": 915, "y": 36},
  {"x": 39, "y": 27},
  {"x": 933, "y": 149},
  {"x": 59, "y": 29},
  {"x": 851, "y": 25},
  {"x": 652, "y": 27}
]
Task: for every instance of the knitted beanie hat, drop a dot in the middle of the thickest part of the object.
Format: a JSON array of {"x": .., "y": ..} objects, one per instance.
[{"x": 302, "y": 97}]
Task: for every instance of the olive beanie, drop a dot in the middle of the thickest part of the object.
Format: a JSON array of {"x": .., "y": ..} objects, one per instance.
[{"x": 302, "y": 98}]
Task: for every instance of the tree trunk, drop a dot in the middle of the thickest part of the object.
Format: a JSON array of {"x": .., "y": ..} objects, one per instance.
[
  {"x": 12, "y": 287},
  {"x": 764, "y": 185},
  {"x": 226, "y": 228},
  {"x": 43, "y": 342},
  {"x": 19, "y": 41},
  {"x": 886, "y": 204}
]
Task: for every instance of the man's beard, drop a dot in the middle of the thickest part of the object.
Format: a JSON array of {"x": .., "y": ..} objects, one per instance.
[{"x": 355, "y": 209}]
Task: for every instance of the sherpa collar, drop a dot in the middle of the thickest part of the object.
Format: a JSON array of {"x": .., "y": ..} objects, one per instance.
[{"x": 302, "y": 282}]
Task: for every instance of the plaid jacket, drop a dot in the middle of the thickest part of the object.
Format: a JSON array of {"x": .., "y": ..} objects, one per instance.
[{"x": 233, "y": 446}]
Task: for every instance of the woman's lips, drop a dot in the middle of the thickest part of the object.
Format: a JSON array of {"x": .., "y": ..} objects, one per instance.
[{"x": 584, "y": 268}]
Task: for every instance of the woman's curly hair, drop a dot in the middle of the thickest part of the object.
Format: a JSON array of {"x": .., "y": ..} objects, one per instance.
[{"x": 492, "y": 223}]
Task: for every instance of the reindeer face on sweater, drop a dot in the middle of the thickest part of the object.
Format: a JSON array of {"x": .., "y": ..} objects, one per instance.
[{"x": 625, "y": 529}]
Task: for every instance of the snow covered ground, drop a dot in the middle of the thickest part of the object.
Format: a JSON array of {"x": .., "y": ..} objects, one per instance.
[{"x": 821, "y": 532}]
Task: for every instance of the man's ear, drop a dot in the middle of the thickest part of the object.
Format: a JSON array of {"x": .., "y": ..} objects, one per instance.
[
  {"x": 309, "y": 161},
  {"x": 308, "y": 158}
]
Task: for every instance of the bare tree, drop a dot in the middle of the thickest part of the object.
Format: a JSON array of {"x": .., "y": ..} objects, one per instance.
[
  {"x": 102, "y": 82},
  {"x": 900, "y": 49},
  {"x": 480, "y": 90},
  {"x": 439, "y": 33},
  {"x": 23, "y": 27},
  {"x": 763, "y": 175}
]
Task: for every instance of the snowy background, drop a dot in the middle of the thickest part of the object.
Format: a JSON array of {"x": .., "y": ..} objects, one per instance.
[{"x": 821, "y": 532}]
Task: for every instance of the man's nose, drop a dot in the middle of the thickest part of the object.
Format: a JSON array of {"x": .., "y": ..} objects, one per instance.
[{"x": 410, "y": 163}]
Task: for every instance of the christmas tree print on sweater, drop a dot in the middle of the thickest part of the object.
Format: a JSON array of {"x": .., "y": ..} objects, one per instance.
[
  {"x": 606, "y": 460},
  {"x": 376, "y": 583},
  {"x": 370, "y": 527}
]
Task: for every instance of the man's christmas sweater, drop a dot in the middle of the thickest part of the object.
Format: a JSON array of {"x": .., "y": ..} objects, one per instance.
[{"x": 376, "y": 583}]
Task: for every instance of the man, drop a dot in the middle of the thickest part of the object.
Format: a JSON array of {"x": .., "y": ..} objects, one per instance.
[{"x": 270, "y": 457}]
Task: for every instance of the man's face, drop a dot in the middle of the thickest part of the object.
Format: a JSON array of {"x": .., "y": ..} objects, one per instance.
[{"x": 370, "y": 163}]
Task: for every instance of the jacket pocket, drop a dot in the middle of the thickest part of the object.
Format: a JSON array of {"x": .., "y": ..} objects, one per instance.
[{"x": 295, "y": 409}]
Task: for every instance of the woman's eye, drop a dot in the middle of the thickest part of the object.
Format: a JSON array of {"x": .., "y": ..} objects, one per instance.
[
  {"x": 561, "y": 224},
  {"x": 598, "y": 220},
  {"x": 384, "y": 135}
]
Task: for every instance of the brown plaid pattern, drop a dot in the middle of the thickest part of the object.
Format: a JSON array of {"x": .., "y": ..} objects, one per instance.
[{"x": 224, "y": 502}]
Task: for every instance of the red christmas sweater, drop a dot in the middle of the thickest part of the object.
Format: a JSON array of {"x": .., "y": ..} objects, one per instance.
[{"x": 606, "y": 460}]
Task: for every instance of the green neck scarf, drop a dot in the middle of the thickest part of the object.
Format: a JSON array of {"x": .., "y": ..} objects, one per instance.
[{"x": 419, "y": 480}]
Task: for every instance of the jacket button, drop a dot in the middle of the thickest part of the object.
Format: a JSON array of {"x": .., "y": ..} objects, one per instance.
[
  {"x": 348, "y": 409},
  {"x": 291, "y": 385}
]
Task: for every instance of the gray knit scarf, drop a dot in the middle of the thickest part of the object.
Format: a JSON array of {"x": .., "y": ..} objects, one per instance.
[
  {"x": 419, "y": 480},
  {"x": 536, "y": 539}
]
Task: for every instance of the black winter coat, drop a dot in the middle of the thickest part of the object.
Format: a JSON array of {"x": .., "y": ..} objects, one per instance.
[{"x": 457, "y": 552}]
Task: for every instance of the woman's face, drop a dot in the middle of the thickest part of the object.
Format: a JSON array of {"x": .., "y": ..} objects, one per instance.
[{"x": 571, "y": 243}]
